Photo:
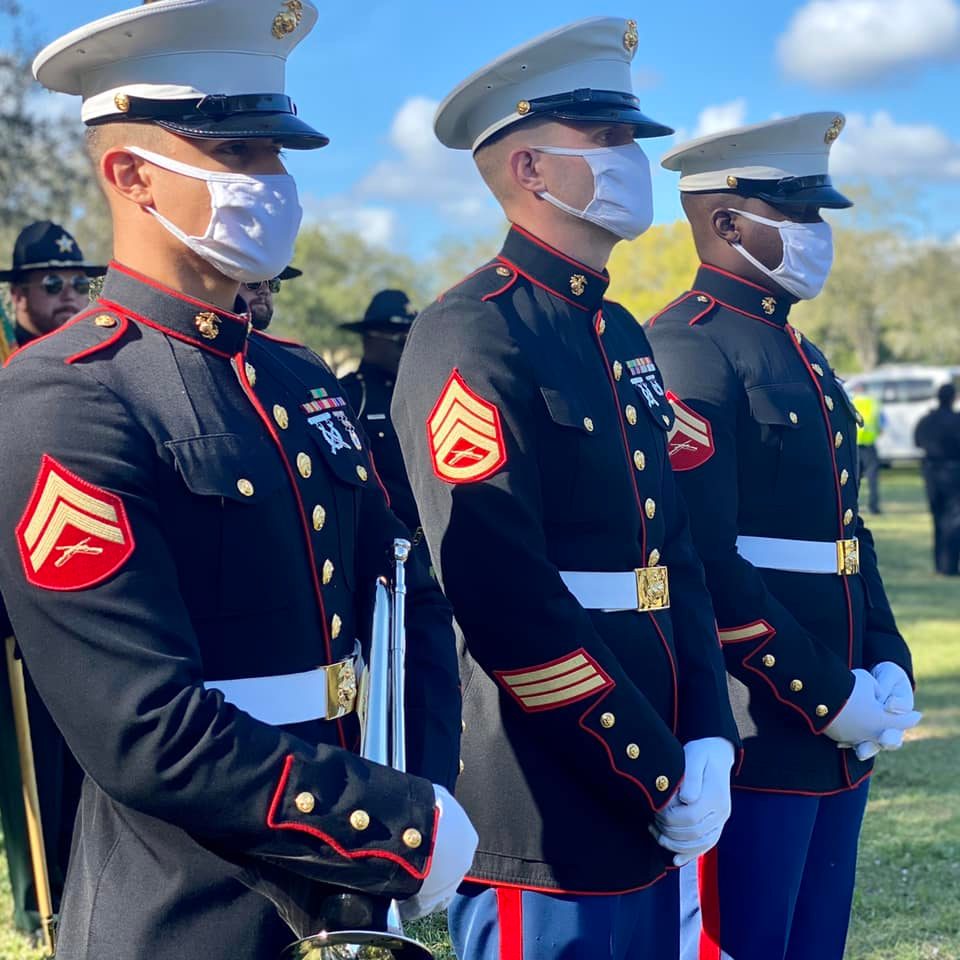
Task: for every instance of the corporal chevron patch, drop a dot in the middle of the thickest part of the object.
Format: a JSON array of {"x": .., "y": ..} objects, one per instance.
[
  {"x": 690, "y": 441},
  {"x": 72, "y": 535},
  {"x": 559, "y": 683},
  {"x": 466, "y": 439},
  {"x": 749, "y": 631}
]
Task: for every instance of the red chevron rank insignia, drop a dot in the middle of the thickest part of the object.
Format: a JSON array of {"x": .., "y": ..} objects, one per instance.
[
  {"x": 690, "y": 442},
  {"x": 72, "y": 535},
  {"x": 466, "y": 439}
]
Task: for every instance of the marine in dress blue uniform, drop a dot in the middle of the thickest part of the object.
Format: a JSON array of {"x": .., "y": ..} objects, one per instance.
[
  {"x": 192, "y": 527},
  {"x": 533, "y": 422},
  {"x": 764, "y": 447}
]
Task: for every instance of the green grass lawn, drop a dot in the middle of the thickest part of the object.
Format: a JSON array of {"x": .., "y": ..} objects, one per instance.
[{"x": 908, "y": 900}]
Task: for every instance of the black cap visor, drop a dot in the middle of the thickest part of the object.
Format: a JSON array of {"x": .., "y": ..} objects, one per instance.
[
  {"x": 813, "y": 191},
  {"x": 599, "y": 106}
]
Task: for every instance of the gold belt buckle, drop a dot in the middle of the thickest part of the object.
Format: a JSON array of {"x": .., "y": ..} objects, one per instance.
[
  {"x": 848, "y": 557},
  {"x": 653, "y": 589},
  {"x": 341, "y": 688}
]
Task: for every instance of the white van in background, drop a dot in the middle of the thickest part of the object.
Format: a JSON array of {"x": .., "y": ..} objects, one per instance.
[{"x": 907, "y": 392}]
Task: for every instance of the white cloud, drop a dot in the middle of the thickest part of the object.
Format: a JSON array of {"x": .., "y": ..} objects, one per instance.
[
  {"x": 720, "y": 117},
  {"x": 843, "y": 42},
  {"x": 424, "y": 171},
  {"x": 878, "y": 146},
  {"x": 374, "y": 224}
]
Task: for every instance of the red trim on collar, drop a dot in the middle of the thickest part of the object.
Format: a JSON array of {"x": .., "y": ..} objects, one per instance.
[
  {"x": 557, "y": 253},
  {"x": 682, "y": 299},
  {"x": 157, "y": 285},
  {"x": 752, "y": 316},
  {"x": 504, "y": 288},
  {"x": 743, "y": 280},
  {"x": 469, "y": 276},
  {"x": 543, "y": 286}
]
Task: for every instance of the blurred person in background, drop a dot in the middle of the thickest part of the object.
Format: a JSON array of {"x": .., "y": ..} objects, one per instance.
[
  {"x": 256, "y": 299},
  {"x": 869, "y": 428}
]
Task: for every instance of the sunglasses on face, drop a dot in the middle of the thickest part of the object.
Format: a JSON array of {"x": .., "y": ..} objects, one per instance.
[
  {"x": 52, "y": 284},
  {"x": 272, "y": 285}
]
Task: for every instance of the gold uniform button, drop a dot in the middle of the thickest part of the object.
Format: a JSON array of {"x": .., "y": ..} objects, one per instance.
[
  {"x": 588, "y": 424},
  {"x": 822, "y": 710},
  {"x": 503, "y": 272},
  {"x": 607, "y": 720},
  {"x": 703, "y": 299},
  {"x": 617, "y": 369},
  {"x": 251, "y": 372},
  {"x": 304, "y": 465},
  {"x": 327, "y": 571},
  {"x": 359, "y": 819},
  {"x": 633, "y": 751},
  {"x": 666, "y": 420},
  {"x": 818, "y": 370},
  {"x": 281, "y": 416},
  {"x": 412, "y": 838},
  {"x": 461, "y": 766},
  {"x": 245, "y": 487},
  {"x": 362, "y": 472},
  {"x": 319, "y": 517},
  {"x": 838, "y": 440},
  {"x": 650, "y": 507},
  {"x": 631, "y": 413},
  {"x": 844, "y": 478},
  {"x": 463, "y": 726},
  {"x": 105, "y": 320},
  {"x": 794, "y": 419},
  {"x": 829, "y": 402},
  {"x": 122, "y": 102},
  {"x": 654, "y": 558},
  {"x": 602, "y": 326},
  {"x": 305, "y": 802},
  {"x": 848, "y": 518},
  {"x": 336, "y": 625},
  {"x": 663, "y": 784},
  {"x": 639, "y": 460},
  {"x": 769, "y": 660},
  {"x": 796, "y": 685}
]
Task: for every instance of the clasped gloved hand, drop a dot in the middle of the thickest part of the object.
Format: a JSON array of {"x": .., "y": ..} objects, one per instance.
[
  {"x": 691, "y": 823},
  {"x": 453, "y": 850},
  {"x": 877, "y": 712}
]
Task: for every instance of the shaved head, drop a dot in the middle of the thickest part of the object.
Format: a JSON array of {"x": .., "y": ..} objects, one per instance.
[{"x": 492, "y": 157}]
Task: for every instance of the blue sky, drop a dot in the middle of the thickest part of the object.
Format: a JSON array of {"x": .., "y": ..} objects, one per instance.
[{"x": 371, "y": 73}]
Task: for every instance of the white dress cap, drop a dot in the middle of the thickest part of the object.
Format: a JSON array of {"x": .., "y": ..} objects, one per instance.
[
  {"x": 783, "y": 161},
  {"x": 584, "y": 67},
  {"x": 150, "y": 61}
]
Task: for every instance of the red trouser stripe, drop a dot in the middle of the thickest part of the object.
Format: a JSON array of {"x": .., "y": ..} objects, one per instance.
[
  {"x": 510, "y": 911},
  {"x": 709, "y": 906}
]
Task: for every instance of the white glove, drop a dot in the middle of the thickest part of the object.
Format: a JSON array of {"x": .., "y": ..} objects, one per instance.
[
  {"x": 453, "y": 849},
  {"x": 894, "y": 689},
  {"x": 864, "y": 717},
  {"x": 691, "y": 823},
  {"x": 895, "y": 693}
]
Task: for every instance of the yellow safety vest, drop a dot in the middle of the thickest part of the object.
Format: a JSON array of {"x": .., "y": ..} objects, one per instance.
[{"x": 869, "y": 409}]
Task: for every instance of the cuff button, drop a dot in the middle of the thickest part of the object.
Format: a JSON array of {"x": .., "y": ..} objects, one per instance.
[
  {"x": 412, "y": 838},
  {"x": 822, "y": 710},
  {"x": 796, "y": 685},
  {"x": 359, "y": 819},
  {"x": 305, "y": 802},
  {"x": 663, "y": 784}
]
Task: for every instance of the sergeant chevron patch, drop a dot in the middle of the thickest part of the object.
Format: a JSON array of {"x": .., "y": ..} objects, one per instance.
[
  {"x": 72, "y": 534},
  {"x": 465, "y": 435},
  {"x": 559, "y": 683},
  {"x": 690, "y": 441}
]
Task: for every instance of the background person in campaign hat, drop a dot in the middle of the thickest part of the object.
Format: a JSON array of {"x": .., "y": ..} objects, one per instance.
[
  {"x": 191, "y": 527},
  {"x": 598, "y": 735},
  {"x": 384, "y": 328},
  {"x": 765, "y": 450},
  {"x": 256, "y": 298},
  {"x": 49, "y": 279}
]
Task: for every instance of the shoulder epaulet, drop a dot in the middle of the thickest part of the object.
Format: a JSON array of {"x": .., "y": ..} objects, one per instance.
[
  {"x": 80, "y": 337},
  {"x": 485, "y": 283},
  {"x": 688, "y": 309}
]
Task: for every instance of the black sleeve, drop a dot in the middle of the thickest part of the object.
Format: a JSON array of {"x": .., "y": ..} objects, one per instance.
[
  {"x": 119, "y": 667},
  {"x": 488, "y": 546},
  {"x": 762, "y": 639}
]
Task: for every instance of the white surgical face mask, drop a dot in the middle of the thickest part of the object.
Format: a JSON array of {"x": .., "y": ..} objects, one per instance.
[
  {"x": 807, "y": 255},
  {"x": 253, "y": 220},
  {"x": 622, "y": 192}
]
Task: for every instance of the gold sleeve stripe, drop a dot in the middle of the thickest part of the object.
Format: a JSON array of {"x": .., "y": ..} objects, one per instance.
[
  {"x": 559, "y": 697},
  {"x": 546, "y": 673},
  {"x": 546, "y": 686},
  {"x": 749, "y": 632}
]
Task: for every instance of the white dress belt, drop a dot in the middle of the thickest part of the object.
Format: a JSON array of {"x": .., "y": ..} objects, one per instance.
[
  {"x": 644, "y": 589},
  {"x": 324, "y": 693},
  {"x": 793, "y": 556}
]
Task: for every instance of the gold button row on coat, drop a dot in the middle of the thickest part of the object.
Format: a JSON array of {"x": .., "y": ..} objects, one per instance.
[
  {"x": 829, "y": 402},
  {"x": 607, "y": 720},
  {"x": 305, "y": 802},
  {"x": 251, "y": 374},
  {"x": 336, "y": 625},
  {"x": 327, "y": 571},
  {"x": 848, "y": 518},
  {"x": 602, "y": 327},
  {"x": 844, "y": 478},
  {"x": 650, "y": 508},
  {"x": 662, "y": 784},
  {"x": 838, "y": 440},
  {"x": 769, "y": 660},
  {"x": 617, "y": 369},
  {"x": 362, "y": 472},
  {"x": 818, "y": 370},
  {"x": 654, "y": 558},
  {"x": 822, "y": 710},
  {"x": 631, "y": 414},
  {"x": 359, "y": 819},
  {"x": 281, "y": 416},
  {"x": 304, "y": 465},
  {"x": 796, "y": 685},
  {"x": 319, "y": 517},
  {"x": 633, "y": 751},
  {"x": 639, "y": 460}
]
